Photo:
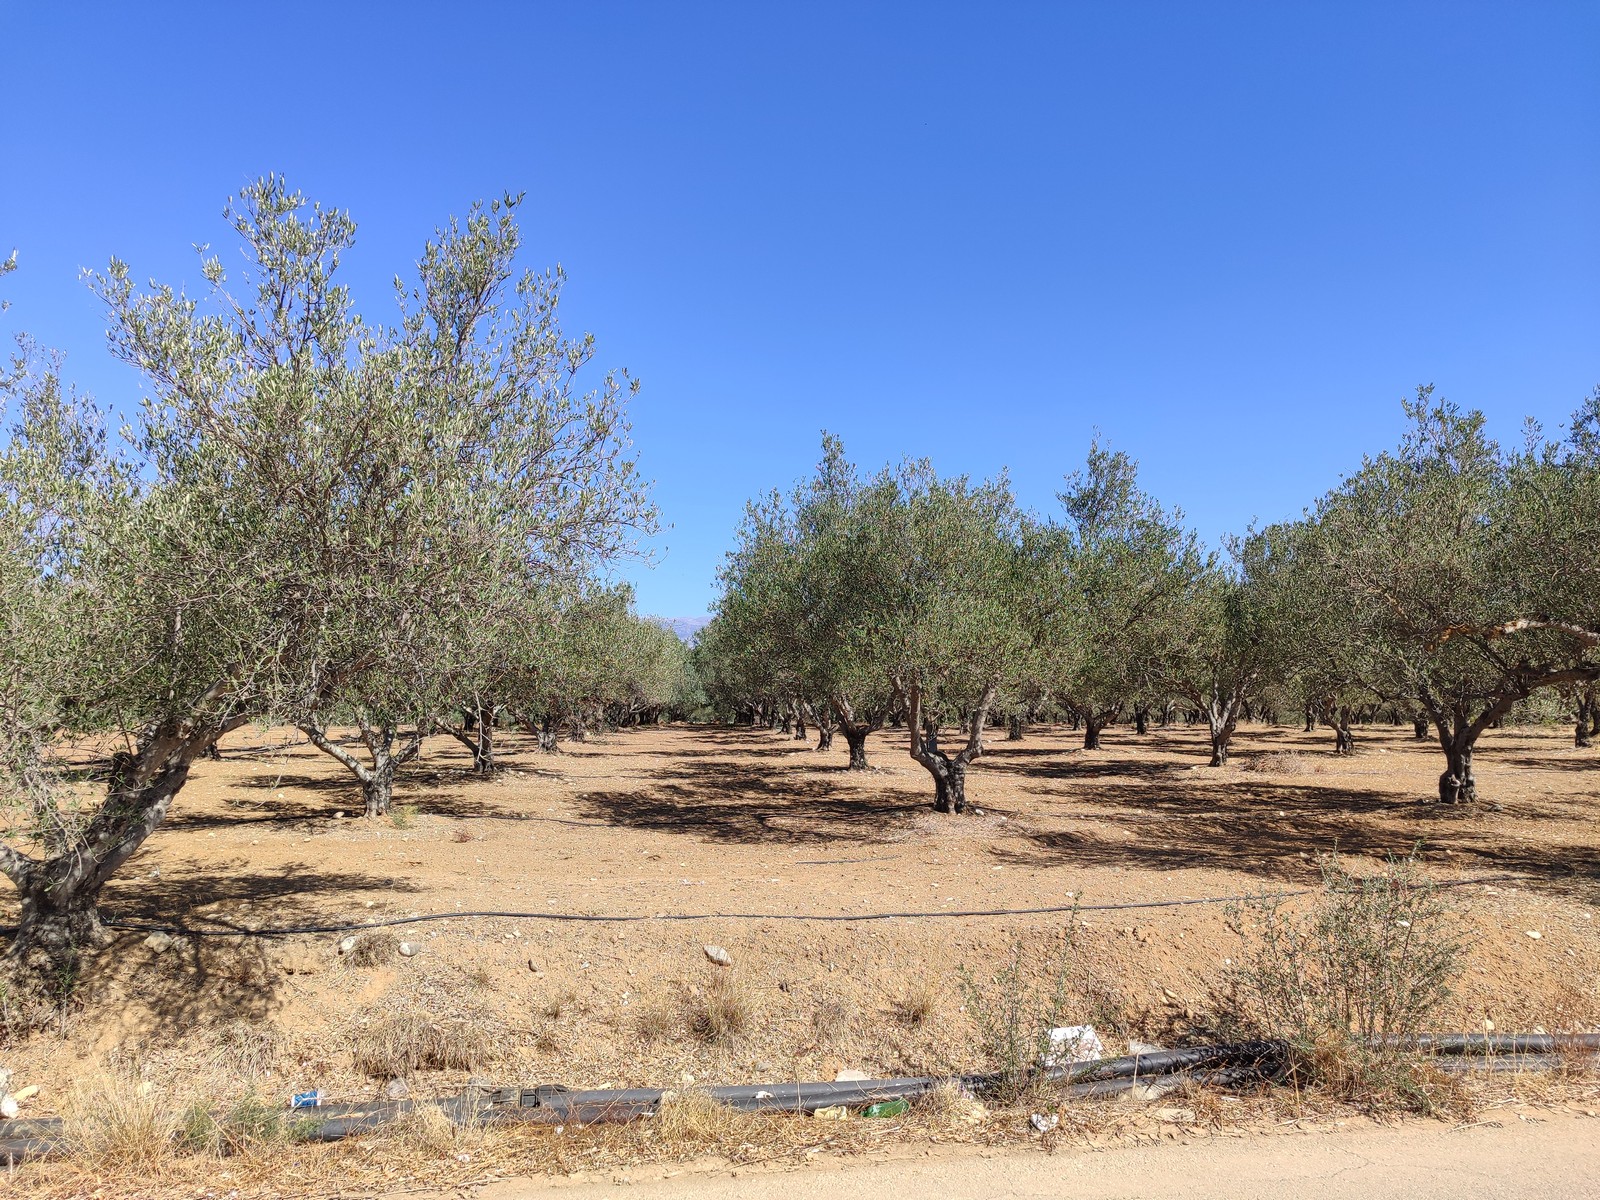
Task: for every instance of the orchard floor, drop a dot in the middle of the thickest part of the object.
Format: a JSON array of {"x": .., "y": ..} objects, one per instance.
[{"x": 763, "y": 829}]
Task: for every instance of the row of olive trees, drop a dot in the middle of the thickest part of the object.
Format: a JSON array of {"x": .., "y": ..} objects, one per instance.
[
  {"x": 1447, "y": 579},
  {"x": 311, "y": 516}
]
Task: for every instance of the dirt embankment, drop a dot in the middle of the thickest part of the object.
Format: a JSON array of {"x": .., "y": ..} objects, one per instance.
[{"x": 755, "y": 830}]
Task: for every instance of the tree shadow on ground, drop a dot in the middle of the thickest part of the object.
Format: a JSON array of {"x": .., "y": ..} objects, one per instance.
[
  {"x": 1572, "y": 760},
  {"x": 1079, "y": 764},
  {"x": 312, "y": 799},
  {"x": 728, "y": 802},
  {"x": 273, "y": 896},
  {"x": 1278, "y": 831},
  {"x": 219, "y": 966}
]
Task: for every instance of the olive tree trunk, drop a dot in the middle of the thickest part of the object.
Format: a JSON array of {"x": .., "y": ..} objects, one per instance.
[
  {"x": 855, "y": 730},
  {"x": 1459, "y": 731},
  {"x": 949, "y": 771},
  {"x": 1338, "y": 716},
  {"x": 826, "y": 722},
  {"x": 476, "y": 733},
  {"x": 1222, "y": 715},
  {"x": 377, "y": 780},
  {"x": 59, "y": 894}
]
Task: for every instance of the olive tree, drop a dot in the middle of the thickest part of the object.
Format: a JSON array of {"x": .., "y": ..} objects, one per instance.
[
  {"x": 898, "y": 593},
  {"x": 791, "y": 604},
  {"x": 1219, "y": 660},
  {"x": 1127, "y": 567},
  {"x": 1313, "y": 657},
  {"x": 305, "y": 500},
  {"x": 1468, "y": 575},
  {"x": 939, "y": 566}
]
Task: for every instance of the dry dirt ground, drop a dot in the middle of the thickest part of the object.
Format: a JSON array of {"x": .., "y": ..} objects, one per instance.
[
  {"x": 1516, "y": 1158},
  {"x": 783, "y": 854}
]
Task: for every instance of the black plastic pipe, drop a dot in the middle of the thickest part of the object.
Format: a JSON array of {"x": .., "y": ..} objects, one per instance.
[{"x": 1219, "y": 1065}]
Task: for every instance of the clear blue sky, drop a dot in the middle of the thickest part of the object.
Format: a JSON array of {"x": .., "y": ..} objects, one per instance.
[{"x": 1229, "y": 236}]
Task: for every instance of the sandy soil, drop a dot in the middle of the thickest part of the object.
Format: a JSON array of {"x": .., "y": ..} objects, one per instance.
[
  {"x": 676, "y": 821},
  {"x": 1512, "y": 1156}
]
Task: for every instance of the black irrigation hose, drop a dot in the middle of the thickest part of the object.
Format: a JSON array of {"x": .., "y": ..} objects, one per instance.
[
  {"x": 290, "y": 930},
  {"x": 1498, "y": 1043},
  {"x": 1224, "y": 1065}
]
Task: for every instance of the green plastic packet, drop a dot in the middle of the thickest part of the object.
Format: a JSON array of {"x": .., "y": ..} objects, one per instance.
[{"x": 886, "y": 1108}]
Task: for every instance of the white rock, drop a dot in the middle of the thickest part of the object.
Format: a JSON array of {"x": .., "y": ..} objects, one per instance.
[
  {"x": 1535, "y": 934},
  {"x": 396, "y": 1089},
  {"x": 348, "y": 944},
  {"x": 1043, "y": 1123},
  {"x": 408, "y": 949},
  {"x": 159, "y": 942},
  {"x": 8, "y": 1107},
  {"x": 719, "y": 956},
  {"x": 851, "y": 1076}
]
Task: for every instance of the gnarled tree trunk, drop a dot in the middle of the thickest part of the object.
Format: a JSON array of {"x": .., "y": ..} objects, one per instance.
[
  {"x": 377, "y": 780},
  {"x": 59, "y": 894},
  {"x": 855, "y": 730},
  {"x": 1458, "y": 736},
  {"x": 949, "y": 771},
  {"x": 855, "y": 737},
  {"x": 476, "y": 733},
  {"x": 1222, "y": 716},
  {"x": 1014, "y": 727}
]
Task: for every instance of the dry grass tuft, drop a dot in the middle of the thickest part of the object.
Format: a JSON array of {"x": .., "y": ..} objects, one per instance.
[
  {"x": 949, "y": 1107},
  {"x": 916, "y": 1004},
  {"x": 692, "y": 1123},
  {"x": 248, "y": 1050},
  {"x": 1282, "y": 762},
  {"x": 833, "y": 1023},
  {"x": 373, "y": 949},
  {"x": 655, "y": 1023},
  {"x": 119, "y": 1121},
  {"x": 401, "y": 1043},
  {"x": 427, "y": 1129},
  {"x": 719, "y": 1012}
]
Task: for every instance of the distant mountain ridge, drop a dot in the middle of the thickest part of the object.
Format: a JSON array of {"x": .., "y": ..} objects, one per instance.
[{"x": 687, "y": 628}]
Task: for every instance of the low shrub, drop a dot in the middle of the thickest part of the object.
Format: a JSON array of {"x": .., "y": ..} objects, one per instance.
[
  {"x": 1014, "y": 1010},
  {"x": 1350, "y": 982}
]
